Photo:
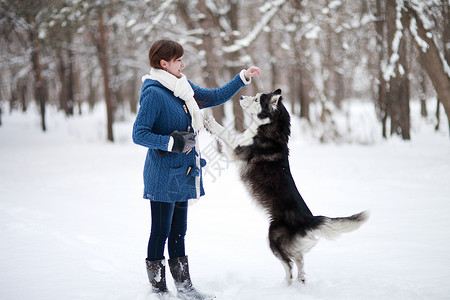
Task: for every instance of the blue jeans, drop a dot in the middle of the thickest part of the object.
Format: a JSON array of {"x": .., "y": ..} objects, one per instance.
[{"x": 169, "y": 221}]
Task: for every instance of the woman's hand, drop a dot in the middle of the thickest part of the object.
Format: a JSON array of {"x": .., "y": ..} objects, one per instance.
[
  {"x": 252, "y": 71},
  {"x": 183, "y": 141}
]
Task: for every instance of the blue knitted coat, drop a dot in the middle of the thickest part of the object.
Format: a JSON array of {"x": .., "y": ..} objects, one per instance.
[{"x": 171, "y": 177}]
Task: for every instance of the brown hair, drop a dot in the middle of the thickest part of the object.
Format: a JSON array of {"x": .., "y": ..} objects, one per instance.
[{"x": 164, "y": 49}]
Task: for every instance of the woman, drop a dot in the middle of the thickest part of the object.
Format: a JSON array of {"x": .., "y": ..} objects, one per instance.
[{"x": 167, "y": 124}]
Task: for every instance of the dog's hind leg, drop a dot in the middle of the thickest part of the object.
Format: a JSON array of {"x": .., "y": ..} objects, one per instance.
[
  {"x": 276, "y": 242},
  {"x": 287, "y": 264},
  {"x": 299, "y": 261}
]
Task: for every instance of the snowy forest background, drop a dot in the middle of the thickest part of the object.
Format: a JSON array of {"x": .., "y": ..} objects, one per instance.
[
  {"x": 361, "y": 78},
  {"x": 323, "y": 54}
]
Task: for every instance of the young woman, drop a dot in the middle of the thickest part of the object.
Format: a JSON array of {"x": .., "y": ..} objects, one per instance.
[{"x": 167, "y": 124}]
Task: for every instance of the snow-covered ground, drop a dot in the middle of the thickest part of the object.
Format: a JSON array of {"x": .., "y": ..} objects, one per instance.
[{"x": 73, "y": 224}]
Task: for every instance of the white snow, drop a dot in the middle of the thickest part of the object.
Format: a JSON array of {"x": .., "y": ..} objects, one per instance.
[
  {"x": 334, "y": 4},
  {"x": 131, "y": 22},
  {"x": 313, "y": 33},
  {"x": 73, "y": 224}
]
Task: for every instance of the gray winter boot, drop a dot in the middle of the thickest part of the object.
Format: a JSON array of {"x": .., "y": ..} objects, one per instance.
[
  {"x": 179, "y": 268},
  {"x": 156, "y": 271}
]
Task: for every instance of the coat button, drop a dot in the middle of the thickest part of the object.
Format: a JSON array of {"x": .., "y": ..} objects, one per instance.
[
  {"x": 202, "y": 162},
  {"x": 194, "y": 172},
  {"x": 185, "y": 108}
]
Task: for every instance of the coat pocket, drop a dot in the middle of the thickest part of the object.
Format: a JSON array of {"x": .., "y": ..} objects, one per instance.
[{"x": 177, "y": 187}]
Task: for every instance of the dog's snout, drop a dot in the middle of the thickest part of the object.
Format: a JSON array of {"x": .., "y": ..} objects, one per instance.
[{"x": 242, "y": 97}]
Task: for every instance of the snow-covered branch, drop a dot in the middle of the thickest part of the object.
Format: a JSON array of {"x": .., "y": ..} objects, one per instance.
[
  {"x": 265, "y": 19},
  {"x": 419, "y": 7},
  {"x": 444, "y": 61},
  {"x": 413, "y": 29},
  {"x": 357, "y": 23},
  {"x": 389, "y": 70},
  {"x": 427, "y": 37},
  {"x": 19, "y": 21},
  {"x": 215, "y": 11},
  {"x": 148, "y": 27}
]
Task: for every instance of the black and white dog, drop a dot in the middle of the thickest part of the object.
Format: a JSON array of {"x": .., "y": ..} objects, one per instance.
[{"x": 263, "y": 152}]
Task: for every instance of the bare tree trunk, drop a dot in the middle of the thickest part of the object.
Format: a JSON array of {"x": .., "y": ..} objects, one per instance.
[
  {"x": 117, "y": 92},
  {"x": 132, "y": 83},
  {"x": 327, "y": 65},
  {"x": 104, "y": 62},
  {"x": 305, "y": 82},
  {"x": 300, "y": 77},
  {"x": 382, "y": 100},
  {"x": 423, "y": 94},
  {"x": 398, "y": 91},
  {"x": 92, "y": 94},
  {"x": 446, "y": 35},
  {"x": 13, "y": 97},
  {"x": 339, "y": 82},
  {"x": 293, "y": 89},
  {"x": 233, "y": 58},
  {"x": 77, "y": 89},
  {"x": 438, "y": 114},
  {"x": 70, "y": 79},
  {"x": 391, "y": 92},
  {"x": 23, "y": 88},
  {"x": 446, "y": 43},
  {"x": 39, "y": 84},
  {"x": 1, "y": 111},
  {"x": 66, "y": 77},
  {"x": 62, "y": 71},
  {"x": 293, "y": 79},
  {"x": 273, "y": 60},
  {"x": 305, "y": 98},
  {"x": 404, "y": 110}
]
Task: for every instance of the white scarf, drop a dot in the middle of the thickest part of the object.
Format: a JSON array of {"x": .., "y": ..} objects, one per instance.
[{"x": 182, "y": 89}]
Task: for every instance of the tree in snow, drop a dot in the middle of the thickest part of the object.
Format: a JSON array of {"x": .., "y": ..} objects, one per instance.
[
  {"x": 321, "y": 53},
  {"x": 433, "y": 59},
  {"x": 26, "y": 20}
]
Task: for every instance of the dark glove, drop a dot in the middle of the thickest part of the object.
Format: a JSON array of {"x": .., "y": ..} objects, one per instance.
[{"x": 182, "y": 141}]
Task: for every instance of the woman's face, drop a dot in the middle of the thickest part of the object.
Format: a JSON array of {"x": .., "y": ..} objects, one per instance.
[{"x": 174, "y": 66}]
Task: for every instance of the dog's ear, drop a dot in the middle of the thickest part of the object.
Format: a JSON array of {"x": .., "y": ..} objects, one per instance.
[
  {"x": 277, "y": 92},
  {"x": 274, "y": 100}
]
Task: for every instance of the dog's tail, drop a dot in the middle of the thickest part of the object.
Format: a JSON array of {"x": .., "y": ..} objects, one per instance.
[{"x": 331, "y": 228}]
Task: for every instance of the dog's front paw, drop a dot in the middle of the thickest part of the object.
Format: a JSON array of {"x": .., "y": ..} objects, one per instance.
[{"x": 209, "y": 124}]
